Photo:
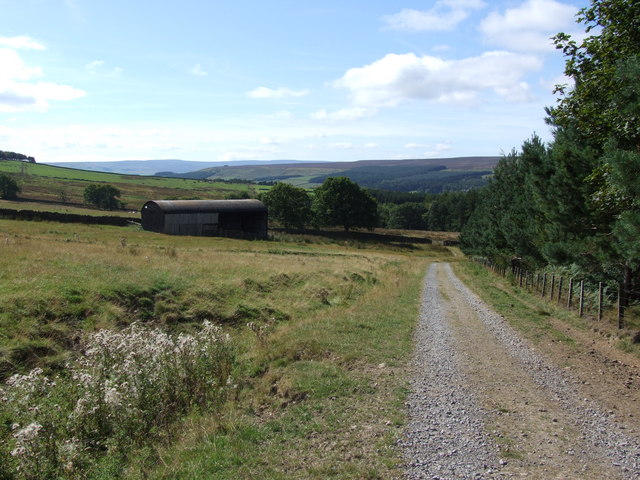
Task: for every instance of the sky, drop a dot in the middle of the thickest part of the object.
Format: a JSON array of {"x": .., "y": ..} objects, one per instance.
[{"x": 337, "y": 80}]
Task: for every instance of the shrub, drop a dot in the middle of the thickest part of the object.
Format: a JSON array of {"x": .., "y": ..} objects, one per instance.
[
  {"x": 123, "y": 388},
  {"x": 102, "y": 196},
  {"x": 9, "y": 188}
]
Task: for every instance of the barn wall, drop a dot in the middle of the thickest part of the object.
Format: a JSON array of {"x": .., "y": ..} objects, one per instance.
[
  {"x": 244, "y": 224},
  {"x": 152, "y": 217},
  {"x": 234, "y": 218},
  {"x": 191, "y": 223}
]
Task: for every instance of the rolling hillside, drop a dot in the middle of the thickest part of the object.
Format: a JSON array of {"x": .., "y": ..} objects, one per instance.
[
  {"x": 154, "y": 167},
  {"x": 433, "y": 175},
  {"x": 49, "y": 185},
  {"x": 423, "y": 175}
]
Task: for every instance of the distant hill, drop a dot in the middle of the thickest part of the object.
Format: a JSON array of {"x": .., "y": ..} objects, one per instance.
[
  {"x": 153, "y": 167},
  {"x": 64, "y": 187},
  {"x": 432, "y": 175}
]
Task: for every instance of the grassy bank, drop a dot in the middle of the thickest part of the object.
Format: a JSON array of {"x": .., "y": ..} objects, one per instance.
[
  {"x": 322, "y": 334},
  {"x": 324, "y": 400},
  {"x": 535, "y": 316},
  {"x": 65, "y": 186}
]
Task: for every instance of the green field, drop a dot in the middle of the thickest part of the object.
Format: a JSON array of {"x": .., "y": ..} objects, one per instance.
[
  {"x": 65, "y": 186},
  {"x": 322, "y": 334}
]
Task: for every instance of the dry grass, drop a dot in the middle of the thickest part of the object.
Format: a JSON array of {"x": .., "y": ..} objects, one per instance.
[
  {"x": 320, "y": 372},
  {"x": 60, "y": 207}
]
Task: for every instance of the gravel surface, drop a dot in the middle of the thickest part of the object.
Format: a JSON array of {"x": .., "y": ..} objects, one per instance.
[{"x": 446, "y": 435}]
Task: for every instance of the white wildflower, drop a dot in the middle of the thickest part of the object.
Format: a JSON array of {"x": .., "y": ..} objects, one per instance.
[
  {"x": 28, "y": 433},
  {"x": 112, "y": 397},
  {"x": 18, "y": 451}
]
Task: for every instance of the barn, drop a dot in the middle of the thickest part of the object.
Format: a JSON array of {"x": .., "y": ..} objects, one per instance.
[{"x": 224, "y": 218}]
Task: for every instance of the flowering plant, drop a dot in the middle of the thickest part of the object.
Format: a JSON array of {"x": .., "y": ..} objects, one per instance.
[{"x": 124, "y": 386}]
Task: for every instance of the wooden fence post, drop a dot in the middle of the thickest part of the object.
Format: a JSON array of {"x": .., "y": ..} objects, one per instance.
[
  {"x": 544, "y": 285},
  {"x": 560, "y": 291},
  {"x": 620, "y": 308},
  {"x": 570, "y": 294},
  {"x": 599, "y": 301},
  {"x": 581, "y": 309},
  {"x": 553, "y": 286}
]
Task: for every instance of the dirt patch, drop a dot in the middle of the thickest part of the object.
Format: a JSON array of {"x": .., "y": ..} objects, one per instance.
[
  {"x": 597, "y": 368},
  {"x": 561, "y": 404},
  {"x": 536, "y": 437}
]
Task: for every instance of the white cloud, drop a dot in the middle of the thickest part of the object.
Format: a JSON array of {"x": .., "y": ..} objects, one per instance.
[
  {"x": 92, "y": 66},
  {"x": 269, "y": 141},
  {"x": 96, "y": 66},
  {"x": 529, "y": 26},
  {"x": 197, "y": 71},
  {"x": 13, "y": 68},
  {"x": 6, "y": 132},
  {"x": 444, "y": 15},
  {"x": 280, "y": 115},
  {"x": 371, "y": 145},
  {"x": 232, "y": 156},
  {"x": 343, "y": 115},
  {"x": 21, "y": 42},
  {"x": 18, "y": 94},
  {"x": 265, "y": 92},
  {"x": 398, "y": 78},
  {"x": 342, "y": 145},
  {"x": 429, "y": 150}
]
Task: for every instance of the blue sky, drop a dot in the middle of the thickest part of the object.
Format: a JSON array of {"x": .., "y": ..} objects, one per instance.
[{"x": 90, "y": 80}]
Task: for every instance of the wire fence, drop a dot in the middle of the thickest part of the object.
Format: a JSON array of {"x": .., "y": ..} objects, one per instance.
[{"x": 587, "y": 299}]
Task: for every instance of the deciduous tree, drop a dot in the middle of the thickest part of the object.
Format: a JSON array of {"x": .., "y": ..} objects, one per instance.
[
  {"x": 289, "y": 205},
  {"x": 339, "y": 201}
]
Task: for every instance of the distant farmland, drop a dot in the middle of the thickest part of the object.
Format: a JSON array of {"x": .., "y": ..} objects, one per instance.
[
  {"x": 421, "y": 175},
  {"x": 65, "y": 186}
]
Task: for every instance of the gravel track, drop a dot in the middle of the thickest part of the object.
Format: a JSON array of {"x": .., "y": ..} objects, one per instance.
[
  {"x": 445, "y": 436},
  {"x": 450, "y": 433}
]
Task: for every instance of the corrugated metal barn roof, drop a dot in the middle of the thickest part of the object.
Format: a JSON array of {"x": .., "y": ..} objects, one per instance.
[{"x": 198, "y": 206}]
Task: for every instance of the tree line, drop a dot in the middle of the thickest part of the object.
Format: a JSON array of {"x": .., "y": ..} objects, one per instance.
[
  {"x": 337, "y": 202},
  {"x": 575, "y": 202},
  {"x": 340, "y": 201},
  {"x": 412, "y": 178},
  {"x": 4, "y": 155}
]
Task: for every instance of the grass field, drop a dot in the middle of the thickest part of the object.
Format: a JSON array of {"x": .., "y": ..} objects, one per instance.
[
  {"x": 534, "y": 316},
  {"x": 65, "y": 208},
  {"x": 322, "y": 331},
  {"x": 65, "y": 186}
]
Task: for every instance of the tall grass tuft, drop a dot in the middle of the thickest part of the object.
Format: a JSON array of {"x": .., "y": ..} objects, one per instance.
[{"x": 123, "y": 390}]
